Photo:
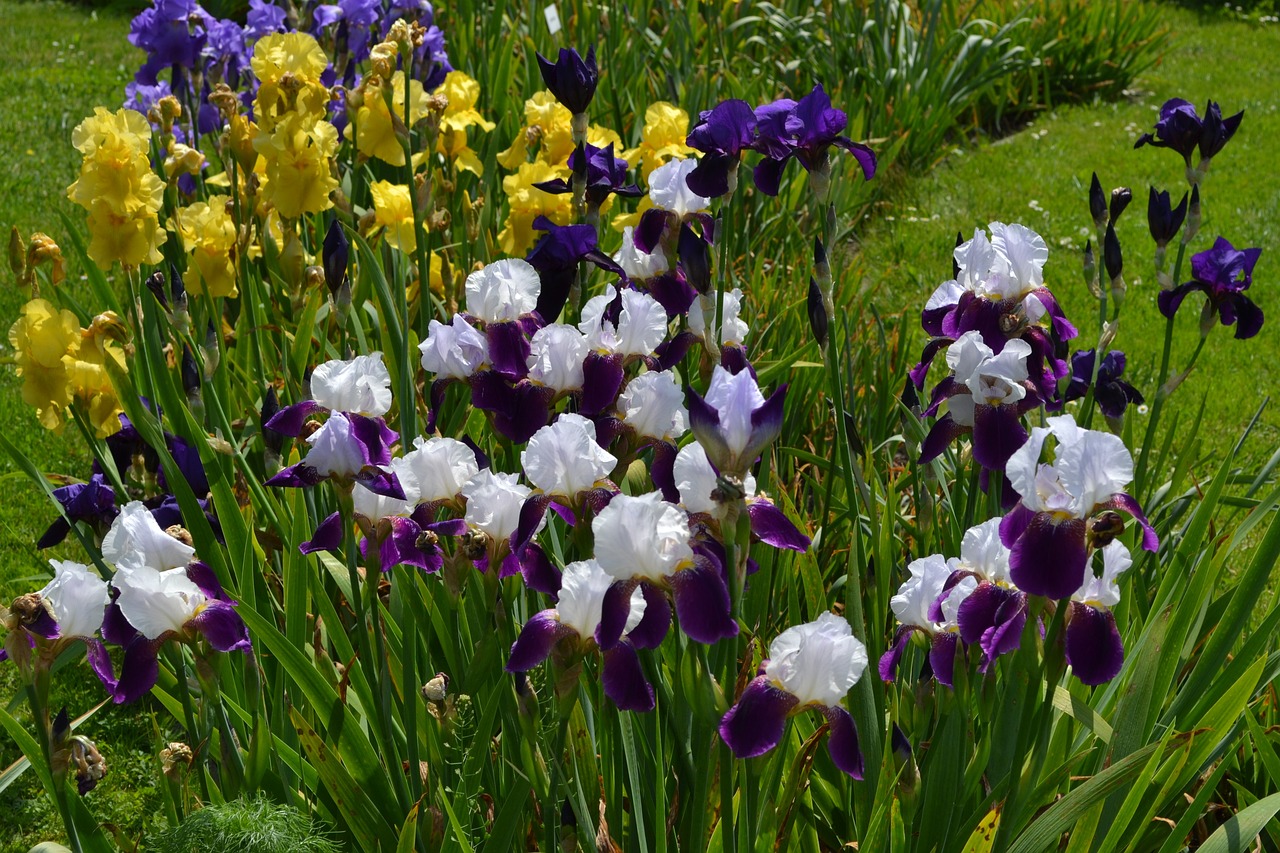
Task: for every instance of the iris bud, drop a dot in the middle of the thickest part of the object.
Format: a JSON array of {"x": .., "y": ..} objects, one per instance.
[
  {"x": 817, "y": 314},
  {"x": 1097, "y": 203},
  {"x": 1120, "y": 198}
]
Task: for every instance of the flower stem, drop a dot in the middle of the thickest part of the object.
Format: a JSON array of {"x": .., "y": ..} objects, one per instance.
[{"x": 1157, "y": 406}]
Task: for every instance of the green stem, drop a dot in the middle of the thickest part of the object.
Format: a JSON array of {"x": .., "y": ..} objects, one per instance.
[
  {"x": 550, "y": 815},
  {"x": 1148, "y": 441},
  {"x": 38, "y": 699}
]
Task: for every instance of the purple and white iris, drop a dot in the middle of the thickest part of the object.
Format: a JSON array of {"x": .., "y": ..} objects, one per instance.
[
  {"x": 734, "y": 422},
  {"x": 572, "y": 626},
  {"x": 994, "y": 613},
  {"x": 987, "y": 394},
  {"x": 920, "y": 598},
  {"x": 810, "y": 666},
  {"x": 1050, "y": 533},
  {"x": 354, "y": 443},
  {"x": 646, "y": 542},
  {"x": 1093, "y": 645},
  {"x": 999, "y": 292}
]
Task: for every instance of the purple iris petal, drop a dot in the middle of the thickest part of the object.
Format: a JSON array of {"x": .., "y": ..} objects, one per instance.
[
  {"x": 400, "y": 547},
  {"x": 139, "y": 670},
  {"x": 1006, "y": 632},
  {"x": 219, "y": 623},
  {"x": 997, "y": 434},
  {"x": 290, "y": 420},
  {"x": 614, "y": 610},
  {"x": 702, "y": 604},
  {"x": 942, "y": 656},
  {"x": 624, "y": 680},
  {"x": 539, "y": 573},
  {"x": 842, "y": 742},
  {"x": 328, "y": 536},
  {"x": 92, "y": 502},
  {"x": 537, "y": 638},
  {"x": 672, "y": 351},
  {"x": 532, "y": 512},
  {"x": 519, "y": 410},
  {"x": 508, "y": 349},
  {"x": 202, "y": 575},
  {"x": 1062, "y": 327},
  {"x": 889, "y": 661},
  {"x": 1093, "y": 645},
  {"x": 656, "y": 621},
  {"x": 100, "y": 662},
  {"x": 944, "y": 431},
  {"x": 1050, "y": 556},
  {"x": 977, "y": 613},
  {"x": 754, "y": 725},
  {"x": 300, "y": 475},
  {"x": 115, "y": 628},
  {"x": 570, "y": 78},
  {"x": 931, "y": 350},
  {"x": 771, "y": 526},
  {"x": 43, "y": 625},
  {"x": 601, "y": 381},
  {"x": 768, "y": 175},
  {"x": 1178, "y": 128},
  {"x": 380, "y": 482},
  {"x": 721, "y": 134},
  {"x": 673, "y": 292},
  {"x": 1223, "y": 273},
  {"x": 1113, "y": 394},
  {"x": 557, "y": 256},
  {"x": 1129, "y": 504},
  {"x": 648, "y": 234},
  {"x": 1013, "y": 523}
]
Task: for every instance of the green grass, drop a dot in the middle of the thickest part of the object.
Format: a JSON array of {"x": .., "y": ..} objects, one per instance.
[
  {"x": 61, "y": 63},
  {"x": 1040, "y": 177}
]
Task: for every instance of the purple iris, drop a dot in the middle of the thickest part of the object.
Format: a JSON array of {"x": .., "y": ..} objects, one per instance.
[
  {"x": 1181, "y": 129},
  {"x": 571, "y": 79},
  {"x": 264, "y": 18},
  {"x": 1112, "y": 393},
  {"x": 557, "y": 256},
  {"x": 93, "y": 502},
  {"x": 1222, "y": 273},
  {"x": 734, "y": 423},
  {"x": 172, "y": 33},
  {"x": 225, "y": 54},
  {"x": 1163, "y": 219},
  {"x": 806, "y": 130},
  {"x": 603, "y": 173},
  {"x": 721, "y": 134}
]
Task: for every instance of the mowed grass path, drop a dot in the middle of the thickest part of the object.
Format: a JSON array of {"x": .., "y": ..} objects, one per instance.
[{"x": 1040, "y": 177}]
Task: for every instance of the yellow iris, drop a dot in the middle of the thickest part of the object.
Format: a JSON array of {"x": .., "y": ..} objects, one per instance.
[
  {"x": 526, "y": 202},
  {"x": 297, "y": 156},
  {"x": 377, "y": 132},
  {"x": 117, "y": 187},
  {"x": 288, "y": 67},
  {"x": 393, "y": 211},
  {"x": 665, "y": 129},
  {"x": 209, "y": 237},
  {"x": 463, "y": 92}
]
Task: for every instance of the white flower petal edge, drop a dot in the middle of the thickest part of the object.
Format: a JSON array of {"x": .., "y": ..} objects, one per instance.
[
  {"x": 696, "y": 479},
  {"x": 361, "y": 384},
  {"x": 818, "y": 662},
  {"x": 494, "y": 502},
  {"x": 734, "y": 397},
  {"x": 582, "y": 588},
  {"x": 653, "y": 405},
  {"x": 669, "y": 188},
  {"x": 642, "y": 537},
  {"x": 563, "y": 458},
  {"x": 1089, "y": 467},
  {"x": 1105, "y": 591},
  {"x": 556, "y": 353},
  {"x": 436, "y": 469},
  {"x": 981, "y": 551},
  {"x": 453, "y": 351},
  {"x": 78, "y": 597},
  {"x": 916, "y": 595},
  {"x": 135, "y": 539},
  {"x": 638, "y": 265},
  {"x": 503, "y": 291},
  {"x": 734, "y": 329},
  {"x": 157, "y": 602}
]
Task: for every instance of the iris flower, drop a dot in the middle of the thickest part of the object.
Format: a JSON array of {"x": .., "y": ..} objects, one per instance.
[
  {"x": 810, "y": 666},
  {"x": 1093, "y": 645},
  {"x": 913, "y": 605},
  {"x": 805, "y": 130},
  {"x": 1222, "y": 273},
  {"x": 734, "y": 423}
]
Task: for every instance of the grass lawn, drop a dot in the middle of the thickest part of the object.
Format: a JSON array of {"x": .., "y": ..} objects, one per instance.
[
  {"x": 1040, "y": 177},
  {"x": 63, "y": 63}
]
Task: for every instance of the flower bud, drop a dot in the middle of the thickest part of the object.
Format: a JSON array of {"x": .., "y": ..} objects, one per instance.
[
  {"x": 1091, "y": 270},
  {"x": 1111, "y": 255},
  {"x": 905, "y": 761},
  {"x": 437, "y": 689},
  {"x": 817, "y": 314},
  {"x": 156, "y": 284},
  {"x": 212, "y": 352},
  {"x": 1120, "y": 198},
  {"x": 955, "y": 265},
  {"x": 695, "y": 258},
  {"x": 17, "y": 255},
  {"x": 174, "y": 758},
  {"x": 272, "y": 441},
  {"x": 1097, "y": 203}
]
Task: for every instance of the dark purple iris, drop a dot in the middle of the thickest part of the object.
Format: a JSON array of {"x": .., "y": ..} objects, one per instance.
[
  {"x": 93, "y": 502},
  {"x": 1112, "y": 393},
  {"x": 1163, "y": 219},
  {"x": 603, "y": 173},
  {"x": 1222, "y": 273},
  {"x": 806, "y": 130},
  {"x": 556, "y": 258},
  {"x": 571, "y": 79},
  {"x": 1181, "y": 129},
  {"x": 721, "y": 134}
]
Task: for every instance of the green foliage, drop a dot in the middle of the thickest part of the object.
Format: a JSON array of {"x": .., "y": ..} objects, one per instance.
[{"x": 251, "y": 825}]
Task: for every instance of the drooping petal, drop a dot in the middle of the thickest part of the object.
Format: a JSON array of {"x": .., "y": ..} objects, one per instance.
[
  {"x": 942, "y": 656},
  {"x": 1127, "y": 503},
  {"x": 944, "y": 431},
  {"x": 702, "y": 604},
  {"x": 1050, "y": 556},
  {"x": 771, "y": 526},
  {"x": 614, "y": 611},
  {"x": 328, "y": 536},
  {"x": 842, "y": 742},
  {"x": 656, "y": 621},
  {"x": 754, "y": 725},
  {"x": 1006, "y": 633},
  {"x": 890, "y": 659},
  {"x": 138, "y": 671},
  {"x": 537, "y": 638},
  {"x": 219, "y": 623},
  {"x": 997, "y": 434},
  {"x": 100, "y": 661},
  {"x": 1093, "y": 645},
  {"x": 624, "y": 680},
  {"x": 539, "y": 573}
]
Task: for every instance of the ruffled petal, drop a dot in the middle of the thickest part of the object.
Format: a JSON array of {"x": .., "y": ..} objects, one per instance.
[
  {"x": 702, "y": 604},
  {"x": 1050, "y": 557},
  {"x": 328, "y": 536},
  {"x": 771, "y": 526},
  {"x": 537, "y": 638},
  {"x": 219, "y": 623},
  {"x": 842, "y": 742}
]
